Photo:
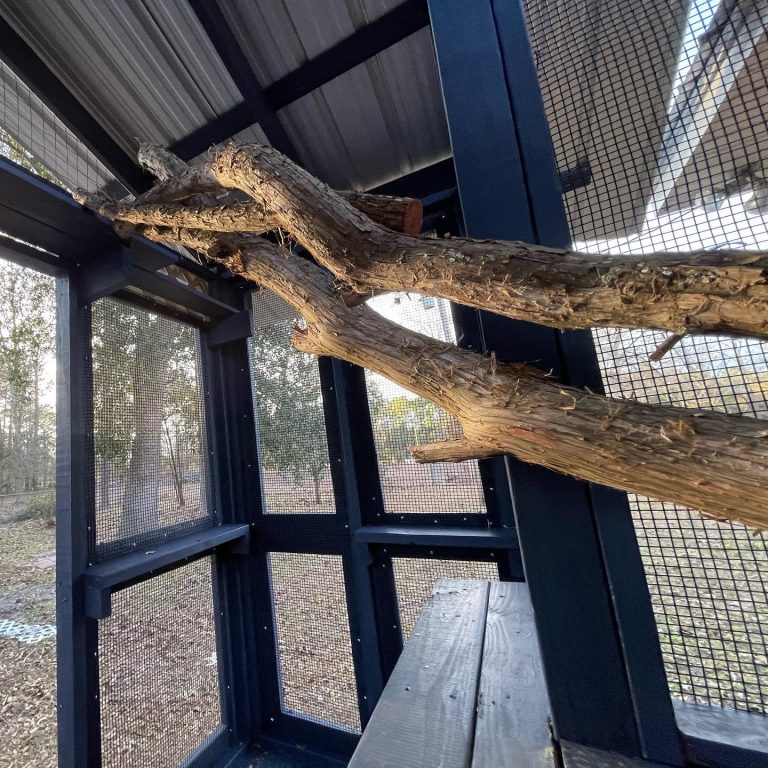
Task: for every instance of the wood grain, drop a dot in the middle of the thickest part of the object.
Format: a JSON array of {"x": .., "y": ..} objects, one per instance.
[
  {"x": 426, "y": 715},
  {"x": 513, "y": 709},
  {"x": 578, "y": 756}
]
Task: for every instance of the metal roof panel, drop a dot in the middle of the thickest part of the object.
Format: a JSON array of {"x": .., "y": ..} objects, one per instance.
[{"x": 144, "y": 68}]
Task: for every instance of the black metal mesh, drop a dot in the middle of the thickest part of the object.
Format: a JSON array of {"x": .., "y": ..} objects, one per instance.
[
  {"x": 293, "y": 447},
  {"x": 401, "y": 419},
  {"x": 708, "y": 580},
  {"x": 149, "y": 433},
  {"x": 316, "y": 669},
  {"x": 415, "y": 579},
  {"x": 29, "y": 128},
  {"x": 158, "y": 671},
  {"x": 666, "y": 102}
]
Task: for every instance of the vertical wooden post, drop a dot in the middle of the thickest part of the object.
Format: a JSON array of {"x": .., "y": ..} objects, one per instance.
[
  {"x": 508, "y": 187},
  {"x": 248, "y": 678},
  {"x": 79, "y": 730}
]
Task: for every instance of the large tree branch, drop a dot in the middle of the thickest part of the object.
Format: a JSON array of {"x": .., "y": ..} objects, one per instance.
[
  {"x": 711, "y": 461},
  {"x": 703, "y": 291}
]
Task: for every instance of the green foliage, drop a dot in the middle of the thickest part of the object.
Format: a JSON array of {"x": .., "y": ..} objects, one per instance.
[
  {"x": 289, "y": 406},
  {"x": 41, "y": 506},
  {"x": 137, "y": 355},
  {"x": 27, "y": 424},
  {"x": 403, "y": 421},
  {"x": 15, "y": 151}
]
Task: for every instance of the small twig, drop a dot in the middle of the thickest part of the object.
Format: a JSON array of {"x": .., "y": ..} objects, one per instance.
[{"x": 671, "y": 341}]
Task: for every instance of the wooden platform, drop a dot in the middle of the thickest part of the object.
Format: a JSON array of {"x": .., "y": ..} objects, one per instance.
[{"x": 468, "y": 689}]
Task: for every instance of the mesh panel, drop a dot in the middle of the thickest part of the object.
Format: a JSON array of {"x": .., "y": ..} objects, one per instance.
[
  {"x": 708, "y": 580},
  {"x": 666, "y": 103},
  {"x": 400, "y": 419},
  {"x": 158, "y": 673},
  {"x": 415, "y": 579},
  {"x": 293, "y": 448},
  {"x": 149, "y": 428},
  {"x": 316, "y": 669},
  {"x": 30, "y": 129}
]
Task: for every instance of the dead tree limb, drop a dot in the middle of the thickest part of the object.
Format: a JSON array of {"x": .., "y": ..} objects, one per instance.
[
  {"x": 709, "y": 461},
  {"x": 723, "y": 291}
]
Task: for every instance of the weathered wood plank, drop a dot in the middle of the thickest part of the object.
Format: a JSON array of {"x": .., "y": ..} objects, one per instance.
[
  {"x": 513, "y": 708},
  {"x": 426, "y": 716},
  {"x": 577, "y": 756}
]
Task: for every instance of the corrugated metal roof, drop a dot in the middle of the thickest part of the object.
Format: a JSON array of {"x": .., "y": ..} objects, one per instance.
[
  {"x": 146, "y": 70},
  {"x": 279, "y": 36},
  {"x": 376, "y": 122}
]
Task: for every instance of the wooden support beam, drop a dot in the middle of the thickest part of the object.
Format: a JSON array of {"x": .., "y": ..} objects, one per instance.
[
  {"x": 390, "y": 28},
  {"x": 225, "y": 42}
]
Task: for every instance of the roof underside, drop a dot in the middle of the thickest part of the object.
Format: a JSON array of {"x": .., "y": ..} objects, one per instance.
[{"x": 349, "y": 88}]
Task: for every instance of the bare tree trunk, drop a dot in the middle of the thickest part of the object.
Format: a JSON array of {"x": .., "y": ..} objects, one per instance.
[{"x": 141, "y": 499}]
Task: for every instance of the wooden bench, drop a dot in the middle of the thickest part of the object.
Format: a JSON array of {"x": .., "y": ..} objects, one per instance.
[{"x": 468, "y": 689}]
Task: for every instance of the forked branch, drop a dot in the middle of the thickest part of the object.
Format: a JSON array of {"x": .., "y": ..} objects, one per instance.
[{"x": 710, "y": 461}]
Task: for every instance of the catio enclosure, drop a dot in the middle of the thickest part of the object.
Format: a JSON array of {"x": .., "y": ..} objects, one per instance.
[{"x": 243, "y": 541}]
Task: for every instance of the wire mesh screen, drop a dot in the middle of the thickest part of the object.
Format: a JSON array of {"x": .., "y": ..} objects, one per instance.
[
  {"x": 149, "y": 434},
  {"x": 708, "y": 580},
  {"x": 316, "y": 670},
  {"x": 293, "y": 447},
  {"x": 31, "y": 135},
  {"x": 665, "y": 104},
  {"x": 158, "y": 672},
  {"x": 401, "y": 419},
  {"x": 415, "y": 579}
]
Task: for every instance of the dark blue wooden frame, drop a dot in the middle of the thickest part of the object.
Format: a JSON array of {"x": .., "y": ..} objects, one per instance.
[
  {"x": 508, "y": 187},
  {"x": 573, "y": 543}
]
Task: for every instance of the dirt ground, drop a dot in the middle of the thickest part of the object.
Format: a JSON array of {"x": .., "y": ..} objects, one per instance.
[
  {"x": 157, "y": 650},
  {"x": 27, "y": 672}
]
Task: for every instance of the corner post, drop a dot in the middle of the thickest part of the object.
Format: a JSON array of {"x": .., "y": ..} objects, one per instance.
[
  {"x": 79, "y": 728},
  {"x": 594, "y": 649}
]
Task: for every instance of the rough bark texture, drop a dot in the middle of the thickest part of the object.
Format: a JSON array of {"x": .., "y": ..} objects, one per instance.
[
  {"x": 710, "y": 461},
  {"x": 706, "y": 291}
]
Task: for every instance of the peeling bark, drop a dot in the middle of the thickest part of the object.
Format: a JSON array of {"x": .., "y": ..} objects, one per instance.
[
  {"x": 723, "y": 291},
  {"x": 709, "y": 461}
]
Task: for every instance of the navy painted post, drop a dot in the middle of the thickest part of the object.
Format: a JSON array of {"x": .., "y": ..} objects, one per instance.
[
  {"x": 579, "y": 552},
  {"x": 248, "y": 679},
  {"x": 79, "y": 741},
  {"x": 357, "y": 490}
]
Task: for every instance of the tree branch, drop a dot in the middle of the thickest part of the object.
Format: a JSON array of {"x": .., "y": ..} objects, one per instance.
[
  {"x": 723, "y": 291},
  {"x": 710, "y": 461},
  {"x": 459, "y": 449}
]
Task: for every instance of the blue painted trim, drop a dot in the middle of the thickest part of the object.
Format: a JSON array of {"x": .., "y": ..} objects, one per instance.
[
  {"x": 102, "y": 580},
  {"x": 354, "y": 471},
  {"x": 77, "y": 667},
  {"x": 470, "y": 538},
  {"x": 247, "y": 668},
  {"x": 509, "y": 189}
]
